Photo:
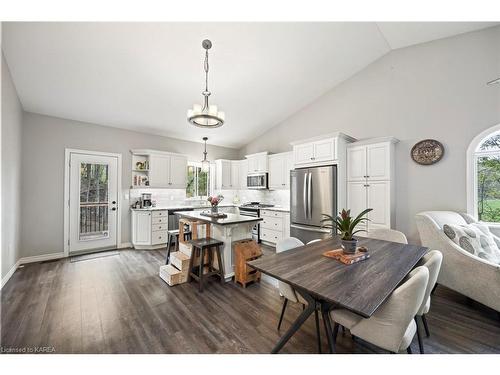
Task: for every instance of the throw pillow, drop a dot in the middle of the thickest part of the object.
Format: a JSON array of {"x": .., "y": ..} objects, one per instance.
[{"x": 476, "y": 239}]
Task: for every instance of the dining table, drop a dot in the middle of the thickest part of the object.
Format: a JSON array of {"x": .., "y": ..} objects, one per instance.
[{"x": 326, "y": 283}]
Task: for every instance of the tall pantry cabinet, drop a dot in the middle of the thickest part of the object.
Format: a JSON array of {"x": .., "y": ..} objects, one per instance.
[{"x": 371, "y": 182}]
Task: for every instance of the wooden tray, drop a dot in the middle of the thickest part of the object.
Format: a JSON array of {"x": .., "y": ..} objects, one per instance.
[
  {"x": 360, "y": 254},
  {"x": 218, "y": 215}
]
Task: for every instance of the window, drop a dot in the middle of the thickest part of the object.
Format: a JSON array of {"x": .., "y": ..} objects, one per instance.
[
  {"x": 198, "y": 182},
  {"x": 484, "y": 176}
]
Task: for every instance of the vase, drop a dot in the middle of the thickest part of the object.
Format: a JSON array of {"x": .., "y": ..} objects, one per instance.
[
  {"x": 215, "y": 209},
  {"x": 349, "y": 246}
]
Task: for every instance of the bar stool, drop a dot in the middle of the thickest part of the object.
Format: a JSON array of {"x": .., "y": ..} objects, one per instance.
[
  {"x": 174, "y": 234},
  {"x": 199, "y": 247}
]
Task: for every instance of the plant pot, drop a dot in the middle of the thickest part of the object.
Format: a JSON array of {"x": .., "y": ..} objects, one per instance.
[{"x": 349, "y": 247}]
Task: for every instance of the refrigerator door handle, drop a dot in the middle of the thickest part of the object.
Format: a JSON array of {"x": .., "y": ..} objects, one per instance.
[
  {"x": 309, "y": 229},
  {"x": 309, "y": 195},
  {"x": 304, "y": 197}
]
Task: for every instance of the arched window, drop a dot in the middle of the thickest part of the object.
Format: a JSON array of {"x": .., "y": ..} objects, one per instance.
[{"x": 484, "y": 176}]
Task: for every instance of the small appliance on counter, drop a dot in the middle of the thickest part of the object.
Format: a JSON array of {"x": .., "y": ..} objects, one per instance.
[{"x": 146, "y": 200}]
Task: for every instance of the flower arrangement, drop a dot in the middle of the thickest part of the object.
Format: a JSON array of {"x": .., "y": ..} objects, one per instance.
[{"x": 215, "y": 200}]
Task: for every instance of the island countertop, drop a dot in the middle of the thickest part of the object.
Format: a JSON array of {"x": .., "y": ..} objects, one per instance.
[{"x": 229, "y": 220}]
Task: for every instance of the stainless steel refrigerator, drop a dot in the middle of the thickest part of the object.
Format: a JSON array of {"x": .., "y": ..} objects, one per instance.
[{"x": 313, "y": 193}]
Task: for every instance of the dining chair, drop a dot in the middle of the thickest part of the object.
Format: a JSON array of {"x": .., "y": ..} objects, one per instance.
[
  {"x": 432, "y": 261},
  {"x": 386, "y": 235},
  {"x": 392, "y": 326},
  {"x": 313, "y": 241},
  {"x": 287, "y": 291}
]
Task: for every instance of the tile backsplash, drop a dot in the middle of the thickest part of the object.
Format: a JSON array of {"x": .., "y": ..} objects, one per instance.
[{"x": 164, "y": 197}]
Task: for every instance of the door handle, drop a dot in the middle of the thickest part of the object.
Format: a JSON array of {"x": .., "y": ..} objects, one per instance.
[
  {"x": 309, "y": 195},
  {"x": 304, "y": 195}
]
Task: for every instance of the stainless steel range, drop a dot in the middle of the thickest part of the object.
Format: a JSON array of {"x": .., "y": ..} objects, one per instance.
[{"x": 253, "y": 209}]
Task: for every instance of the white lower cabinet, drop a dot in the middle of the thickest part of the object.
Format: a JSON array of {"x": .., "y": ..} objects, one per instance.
[
  {"x": 275, "y": 226},
  {"x": 149, "y": 229}
]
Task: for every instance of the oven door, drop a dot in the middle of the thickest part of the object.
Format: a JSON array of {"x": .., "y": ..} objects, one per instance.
[
  {"x": 257, "y": 181},
  {"x": 256, "y": 227}
]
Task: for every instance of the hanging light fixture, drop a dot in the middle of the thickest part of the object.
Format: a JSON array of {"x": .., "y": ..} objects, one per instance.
[
  {"x": 205, "y": 164},
  {"x": 207, "y": 116}
]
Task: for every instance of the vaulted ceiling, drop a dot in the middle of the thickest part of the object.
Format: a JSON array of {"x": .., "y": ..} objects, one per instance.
[{"x": 144, "y": 76}]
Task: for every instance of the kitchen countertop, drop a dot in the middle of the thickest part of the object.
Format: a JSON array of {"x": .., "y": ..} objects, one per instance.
[
  {"x": 230, "y": 219},
  {"x": 180, "y": 207},
  {"x": 276, "y": 208}
]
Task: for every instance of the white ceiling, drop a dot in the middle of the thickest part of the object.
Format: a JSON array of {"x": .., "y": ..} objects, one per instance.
[{"x": 144, "y": 76}]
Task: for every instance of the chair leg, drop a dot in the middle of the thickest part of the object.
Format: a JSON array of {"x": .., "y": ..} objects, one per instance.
[
  {"x": 169, "y": 239},
  {"x": 434, "y": 289},
  {"x": 408, "y": 350},
  {"x": 335, "y": 332},
  {"x": 318, "y": 333},
  {"x": 419, "y": 336},
  {"x": 424, "y": 320},
  {"x": 282, "y": 313},
  {"x": 200, "y": 286}
]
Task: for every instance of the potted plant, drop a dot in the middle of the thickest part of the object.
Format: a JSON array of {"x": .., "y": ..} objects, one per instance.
[
  {"x": 346, "y": 225},
  {"x": 214, "y": 202}
]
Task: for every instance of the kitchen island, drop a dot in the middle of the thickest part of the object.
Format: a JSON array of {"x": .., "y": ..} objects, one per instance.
[{"x": 232, "y": 228}]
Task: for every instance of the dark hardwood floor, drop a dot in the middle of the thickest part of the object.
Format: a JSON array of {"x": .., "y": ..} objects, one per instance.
[{"x": 118, "y": 304}]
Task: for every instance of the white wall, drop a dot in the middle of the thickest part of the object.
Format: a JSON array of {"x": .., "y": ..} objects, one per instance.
[
  {"x": 11, "y": 172},
  {"x": 44, "y": 141},
  {"x": 433, "y": 90}
]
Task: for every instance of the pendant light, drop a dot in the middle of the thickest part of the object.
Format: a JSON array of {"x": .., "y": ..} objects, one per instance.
[
  {"x": 205, "y": 164},
  {"x": 207, "y": 116}
]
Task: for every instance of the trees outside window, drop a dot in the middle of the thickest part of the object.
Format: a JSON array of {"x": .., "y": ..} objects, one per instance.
[
  {"x": 198, "y": 182},
  {"x": 487, "y": 160}
]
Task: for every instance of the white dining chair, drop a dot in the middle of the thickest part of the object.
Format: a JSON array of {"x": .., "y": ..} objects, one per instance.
[
  {"x": 392, "y": 326},
  {"x": 386, "y": 235},
  {"x": 287, "y": 291},
  {"x": 432, "y": 261},
  {"x": 313, "y": 241}
]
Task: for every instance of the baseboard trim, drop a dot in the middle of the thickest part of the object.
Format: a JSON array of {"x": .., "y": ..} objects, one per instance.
[
  {"x": 124, "y": 245},
  {"x": 41, "y": 258},
  {"x": 7, "y": 277}
]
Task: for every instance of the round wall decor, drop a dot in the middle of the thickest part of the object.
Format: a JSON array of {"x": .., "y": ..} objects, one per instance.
[{"x": 427, "y": 152}]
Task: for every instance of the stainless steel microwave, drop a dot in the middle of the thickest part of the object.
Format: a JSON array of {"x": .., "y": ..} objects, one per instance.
[{"x": 257, "y": 181}]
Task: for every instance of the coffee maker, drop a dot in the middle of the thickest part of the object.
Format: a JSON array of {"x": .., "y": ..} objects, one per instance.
[{"x": 145, "y": 200}]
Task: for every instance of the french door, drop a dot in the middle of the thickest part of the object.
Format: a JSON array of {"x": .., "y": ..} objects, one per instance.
[{"x": 93, "y": 198}]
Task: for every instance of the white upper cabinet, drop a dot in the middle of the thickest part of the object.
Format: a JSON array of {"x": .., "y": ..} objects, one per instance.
[
  {"x": 356, "y": 163},
  {"x": 378, "y": 165},
  {"x": 158, "y": 169},
  {"x": 370, "y": 180},
  {"x": 279, "y": 170},
  {"x": 257, "y": 163},
  {"x": 319, "y": 150},
  {"x": 223, "y": 177},
  {"x": 235, "y": 174},
  {"x": 178, "y": 172},
  {"x": 243, "y": 173}
]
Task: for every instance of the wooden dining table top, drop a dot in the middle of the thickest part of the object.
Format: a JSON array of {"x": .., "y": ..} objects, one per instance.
[{"x": 360, "y": 287}]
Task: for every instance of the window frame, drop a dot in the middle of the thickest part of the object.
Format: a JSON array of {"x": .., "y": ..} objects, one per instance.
[
  {"x": 197, "y": 164},
  {"x": 472, "y": 158}
]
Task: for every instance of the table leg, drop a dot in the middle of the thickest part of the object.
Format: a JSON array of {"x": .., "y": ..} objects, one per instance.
[
  {"x": 294, "y": 327},
  {"x": 325, "y": 312}
]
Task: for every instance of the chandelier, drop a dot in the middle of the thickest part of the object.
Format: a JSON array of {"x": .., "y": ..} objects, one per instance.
[
  {"x": 205, "y": 164},
  {"x": 207, "y": 116}
]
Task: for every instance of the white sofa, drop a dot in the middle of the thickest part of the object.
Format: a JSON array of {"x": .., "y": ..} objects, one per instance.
[{"x": 461, "y": 271}]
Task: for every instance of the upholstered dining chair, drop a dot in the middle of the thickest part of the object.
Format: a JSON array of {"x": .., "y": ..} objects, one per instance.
[
  {"x": 392, "y": 326},
  {"x": 313, "y": 241},
  {"x": 386, "y": 235},
  {"x": 287, "y": 291},
  {"x": 432, "y": 261}
]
